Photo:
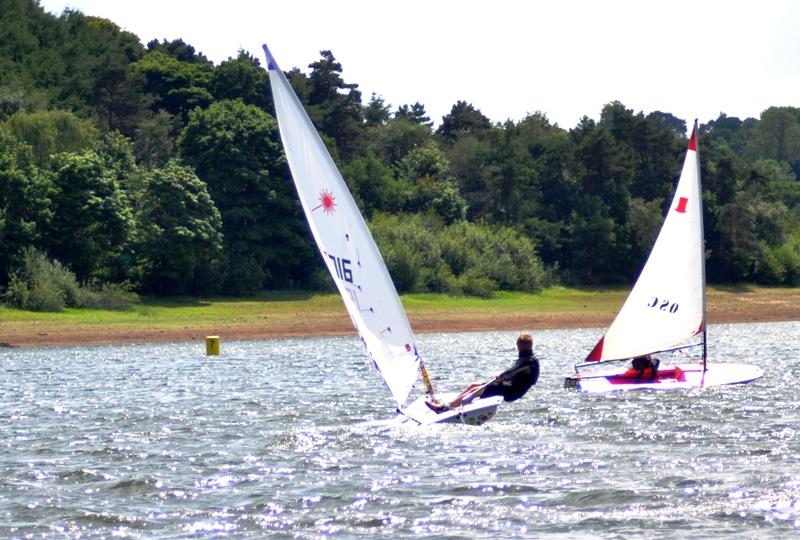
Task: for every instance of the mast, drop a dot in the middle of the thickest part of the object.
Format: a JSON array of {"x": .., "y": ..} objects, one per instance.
[
  {"x": 696, "y": 136},
  {"x": 426, "y": 378}
]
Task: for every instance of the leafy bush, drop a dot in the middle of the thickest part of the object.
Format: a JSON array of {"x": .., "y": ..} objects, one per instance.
[
  {"x": 423, "y": 255},
  {"x": 41, "y": 284},
  {"x": 114, "y": 296},
  {"x": 44, "y": 285}
]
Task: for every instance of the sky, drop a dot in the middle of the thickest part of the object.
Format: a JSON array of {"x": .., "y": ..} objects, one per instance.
[{"x": 508, "y": 58}]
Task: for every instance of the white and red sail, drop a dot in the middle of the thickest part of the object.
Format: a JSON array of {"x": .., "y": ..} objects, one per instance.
[{"x": 666, "y": 306}]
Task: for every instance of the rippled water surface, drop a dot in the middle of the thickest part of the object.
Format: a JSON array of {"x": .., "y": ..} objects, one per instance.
[{"x": 290, "y": 439}]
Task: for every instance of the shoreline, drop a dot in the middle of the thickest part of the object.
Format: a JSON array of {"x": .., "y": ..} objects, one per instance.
[{"x": 46, "y": 334}]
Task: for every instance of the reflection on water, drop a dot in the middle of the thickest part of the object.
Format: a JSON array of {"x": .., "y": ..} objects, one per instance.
[{"x": 294, "y": 439}]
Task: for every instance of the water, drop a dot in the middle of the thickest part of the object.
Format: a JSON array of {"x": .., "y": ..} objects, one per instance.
[{"x": 290, "y": 439}]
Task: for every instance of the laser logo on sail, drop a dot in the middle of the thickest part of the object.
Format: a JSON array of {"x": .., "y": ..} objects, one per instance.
[{"x": 327, "y": 202}]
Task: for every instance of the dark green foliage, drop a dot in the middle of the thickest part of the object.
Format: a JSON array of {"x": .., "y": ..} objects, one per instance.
[
  {"x": 335, "y": 106},
  {"x": 435, "y": 190},
  {"x": 155, "y": 139},
  {"x": 423, "y": 255},
  {"x": 92, "y": 220},
  {"x": 464, "y": 119},
  {"x": 376, "y": 113},
  {"x": 374, "y": 186},
  {"x": 415, "y": 113},
  {"x": 24, "y": 202},
  {"x": 412, "y": 252},
  {"x": 499, "y": 254},
  {"x": 92, "y": 123},
  {"x": 177, "y": 86},
  {"x": 242, "y": 78},
  {"x": 52, "y": 132},
  {"x": 394, "y": 140},
  {"x": 180, "y": 244},
  {"x": 41, "y": 284},
  {"x": 232, "y": 147},
  {"x": 111, "y": 296},
  {"x": 179, "y": 50}
]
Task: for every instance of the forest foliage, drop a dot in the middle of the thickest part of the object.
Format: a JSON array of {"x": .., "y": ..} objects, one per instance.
[{"x": 150, "y": 169}]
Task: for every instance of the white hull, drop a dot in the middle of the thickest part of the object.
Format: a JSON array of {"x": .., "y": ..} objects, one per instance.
[
  {"x": 679, "y": 377},
  {"x": 475, "y": 413}
]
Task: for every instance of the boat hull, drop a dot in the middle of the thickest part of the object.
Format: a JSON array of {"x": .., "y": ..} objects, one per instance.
[
  {"x": 475, "y": 413},
  {"x": 678, "y": 377}
]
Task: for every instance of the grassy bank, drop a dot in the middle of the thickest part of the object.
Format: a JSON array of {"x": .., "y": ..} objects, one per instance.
[
  {"x": 169, "y": 312},
  {"x": 283, "y": 314}
]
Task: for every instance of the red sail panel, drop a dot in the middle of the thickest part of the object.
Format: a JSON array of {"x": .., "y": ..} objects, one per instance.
[{"x": 597, "y": 353}]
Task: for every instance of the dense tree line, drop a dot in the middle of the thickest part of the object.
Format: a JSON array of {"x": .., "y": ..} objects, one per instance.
[{"x": 150, "y": 166}]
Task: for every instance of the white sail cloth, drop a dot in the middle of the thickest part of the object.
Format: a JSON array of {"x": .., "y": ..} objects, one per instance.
[
  {"x": 346, "y": 245},
  {"x": 666, "y": 306}
]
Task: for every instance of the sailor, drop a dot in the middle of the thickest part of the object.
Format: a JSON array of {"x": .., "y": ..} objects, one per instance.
[
  {"x": 512, "y": 384},
  {"x": 645, "y": 364}
]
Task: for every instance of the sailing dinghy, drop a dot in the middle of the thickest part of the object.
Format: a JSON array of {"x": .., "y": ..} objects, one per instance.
[
  {"x": 356, "y": 265},
  {"x": 666, "y": 309}
]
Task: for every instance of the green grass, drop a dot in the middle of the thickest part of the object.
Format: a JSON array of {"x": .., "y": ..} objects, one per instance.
[
  {"x": 179, "y": 311},
  {"x": 554, "y": 299},
  {"x": 290, "y": 305}
]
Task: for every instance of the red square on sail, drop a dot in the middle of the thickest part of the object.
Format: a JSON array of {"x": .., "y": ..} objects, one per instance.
[{"x": 681, "y": 208}]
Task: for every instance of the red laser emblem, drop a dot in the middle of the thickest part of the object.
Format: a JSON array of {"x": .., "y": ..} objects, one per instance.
[{"x": 327, "y": 202}]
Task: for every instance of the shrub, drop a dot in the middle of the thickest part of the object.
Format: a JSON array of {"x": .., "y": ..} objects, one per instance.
[
  {"x": 114, "y": 296},
  {"x": 41, "y": 284},
  {"x": 424, "y": 255}
]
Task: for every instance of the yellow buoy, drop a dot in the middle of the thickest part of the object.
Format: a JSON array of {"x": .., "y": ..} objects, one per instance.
[{"x": 212, "y": 345}]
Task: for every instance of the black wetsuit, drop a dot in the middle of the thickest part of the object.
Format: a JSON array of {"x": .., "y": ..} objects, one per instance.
[{"x": 516, "y": 380}]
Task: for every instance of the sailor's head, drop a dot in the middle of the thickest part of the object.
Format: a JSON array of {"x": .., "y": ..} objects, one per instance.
[{"x": 525, "y": 343}]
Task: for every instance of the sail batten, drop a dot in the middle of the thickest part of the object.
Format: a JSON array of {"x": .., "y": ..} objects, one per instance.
[
  {"x": 345, "y": 243},
  {"x": 666, "y": 306}
]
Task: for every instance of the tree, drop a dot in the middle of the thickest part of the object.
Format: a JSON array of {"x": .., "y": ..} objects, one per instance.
[
  {"x": 233, "y": 149},
  {"x": 155, "y": 139},
  {"x": 668, "y": 122},
  {"x": 179, "y": 50},
  {"x": 777, "y": 135},
  {"x": 51, "y": 132},
  {"x": 177, "y": 86},
  {"x": 334, "y": 106},
  {"x": 427, "y": 169},
  {"x": 394, "y": 140},
  {"x": 652, "y": 147},
  {"x": 472, "y": 169},
  {"x": 98, "y": 55},
  {"x": 180, "y": 248},
  {"x": 92, "y": 221},
  {"x": 376, "y": 113},
  {"x": 242, "y": 78},
  {"x": 24, "y": 202},
  {"x": 727, "y": 131},
  {"x": 464, "y": 119},
  {"x": 415, "y": 113},
  {"x": 374, "y": 185}
]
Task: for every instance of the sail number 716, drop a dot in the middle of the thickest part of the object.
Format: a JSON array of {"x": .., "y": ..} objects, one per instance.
[{"x": 342, "y": 266}]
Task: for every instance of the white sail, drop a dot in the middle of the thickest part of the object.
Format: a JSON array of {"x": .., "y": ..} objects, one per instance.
[
  {"x": 667, "y": 304},
  {"x": 346, "y": 245}
]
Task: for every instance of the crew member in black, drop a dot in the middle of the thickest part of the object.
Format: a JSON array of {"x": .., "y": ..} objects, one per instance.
[
  {"x": 645, "y": 364},
  {"x": 512, "y": 384}
]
